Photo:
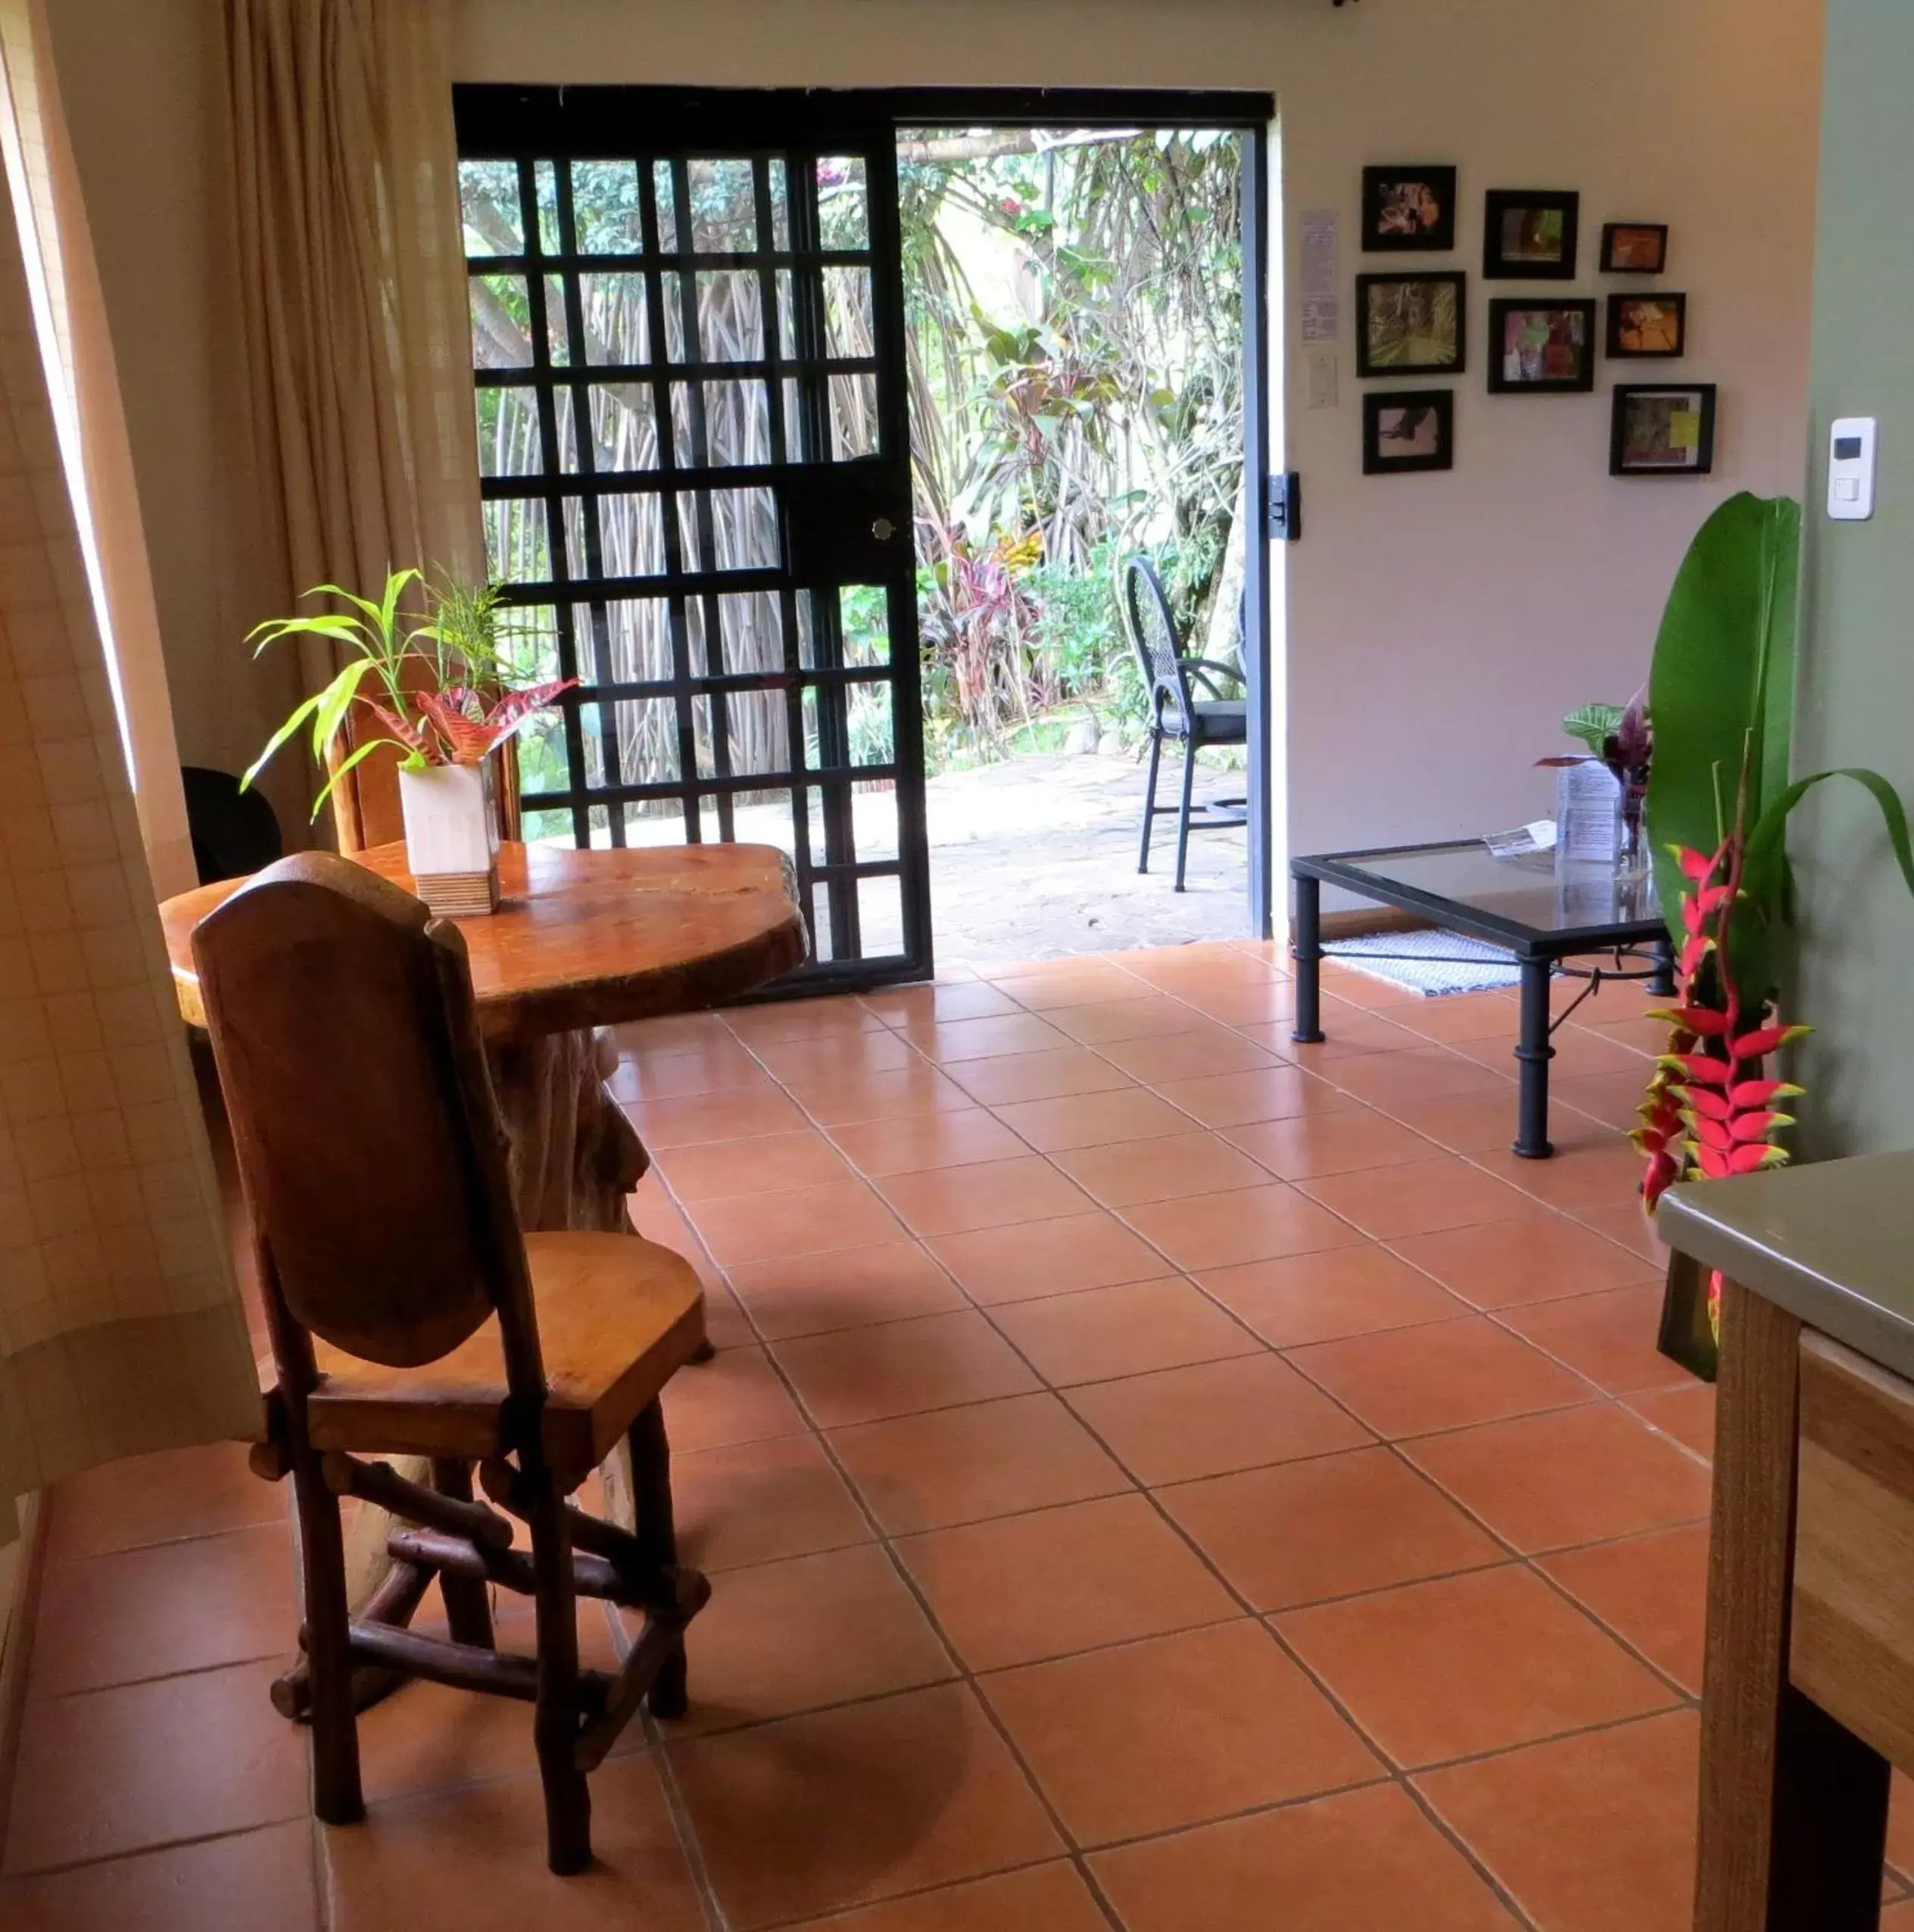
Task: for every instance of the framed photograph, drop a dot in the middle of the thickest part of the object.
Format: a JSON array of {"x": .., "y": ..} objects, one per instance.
[
  {"x": 1634, "y": 248},
  {"x": 1648, "y": 325},
  {"x": 1406, "y": 429},
  {"x": 1407, "y": 208},
  {"x": 1410, "y": 325},
  {"x": 1662, "y": 430},
  {"x": 1541, "y": 347},
  {"x": 1528, "y": 235}
]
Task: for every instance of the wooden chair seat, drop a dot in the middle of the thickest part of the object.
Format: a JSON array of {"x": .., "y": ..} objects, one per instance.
[{"x": 617, "y": 1317}]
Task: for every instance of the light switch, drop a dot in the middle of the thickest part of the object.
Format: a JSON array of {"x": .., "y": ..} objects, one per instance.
[{"x": 1852, "y": 444}]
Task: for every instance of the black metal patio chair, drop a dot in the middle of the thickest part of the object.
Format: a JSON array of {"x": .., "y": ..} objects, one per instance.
[{"x": 1176, "y": 711}]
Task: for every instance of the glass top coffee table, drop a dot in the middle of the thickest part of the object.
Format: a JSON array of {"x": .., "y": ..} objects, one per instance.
[{"x": 1542, "y": 915}]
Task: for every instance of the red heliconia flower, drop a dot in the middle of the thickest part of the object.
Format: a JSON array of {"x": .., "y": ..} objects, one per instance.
[
  {"x": 1659, "y": 1135},
  {"x": 1708, "y": 1113}
]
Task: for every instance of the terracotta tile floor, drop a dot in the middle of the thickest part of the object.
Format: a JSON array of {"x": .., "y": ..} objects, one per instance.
[{"x": 1147, "y": 1474}]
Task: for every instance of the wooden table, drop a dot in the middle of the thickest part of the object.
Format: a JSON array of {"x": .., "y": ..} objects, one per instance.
[
  {"x": 583, "y": 939},
  {"x": 1808, "y": 1695}
]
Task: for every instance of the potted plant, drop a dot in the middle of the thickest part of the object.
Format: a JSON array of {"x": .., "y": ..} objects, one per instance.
[
  {"x": 1618, "y": 738},
  {"x": 440, "y": 694},
  {"x": 1721, "y": 697}
]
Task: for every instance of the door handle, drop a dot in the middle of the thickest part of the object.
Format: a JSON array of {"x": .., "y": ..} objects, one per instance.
[{"x": 883, "y": 529}]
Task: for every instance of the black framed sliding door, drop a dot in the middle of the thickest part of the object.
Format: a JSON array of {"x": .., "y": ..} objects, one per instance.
[{"x": 694, "y": 456}]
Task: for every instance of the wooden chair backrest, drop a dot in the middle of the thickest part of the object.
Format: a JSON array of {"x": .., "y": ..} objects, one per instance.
[{"x": 368, "y": 1140}]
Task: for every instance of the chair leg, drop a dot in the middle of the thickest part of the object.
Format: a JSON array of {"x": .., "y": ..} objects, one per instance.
[
  {"x": 556, "y": 1718},
  {"x": 1182, "y": 818},
  {"x": 1149, "y": 799},
  {"x": 657, "y": 1533},
  {"x": 468, "y": 1603},
  {"x": 337, "y": 1799}
]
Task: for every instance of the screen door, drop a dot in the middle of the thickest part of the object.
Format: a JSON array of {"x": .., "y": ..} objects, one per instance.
[{"x": 687, "y": 331}]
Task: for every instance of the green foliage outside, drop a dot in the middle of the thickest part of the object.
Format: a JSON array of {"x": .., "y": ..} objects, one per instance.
[{"x": 1103, "y": 416}]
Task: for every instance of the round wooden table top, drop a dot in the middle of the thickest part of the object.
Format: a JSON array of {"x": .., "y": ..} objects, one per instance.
[{"x": 590, "y": 938}]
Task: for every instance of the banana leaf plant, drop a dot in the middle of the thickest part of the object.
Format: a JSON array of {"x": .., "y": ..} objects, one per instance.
[
  {"x": 1721, "y": 698},
  {"x": 439, "y": 689}
]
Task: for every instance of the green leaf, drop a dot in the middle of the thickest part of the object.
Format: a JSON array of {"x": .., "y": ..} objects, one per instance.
[
  {"x": 1764, "y": 867},
  {"x": 278, "y": 738},
  {"x": 341, "y": 630},
  {"x": 1594, "y": 724},
  {"x": 335, "y": 702},
  {"x": 395, "y": 583},
  {"x": 359, "y": 753},
  {"x": 1721, "y": 688}
]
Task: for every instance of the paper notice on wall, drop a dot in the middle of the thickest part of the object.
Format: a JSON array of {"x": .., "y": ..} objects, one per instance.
[{"x": 1317, "y": 285}]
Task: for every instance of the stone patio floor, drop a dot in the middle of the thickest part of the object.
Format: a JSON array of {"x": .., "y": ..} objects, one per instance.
[{"x": 1036, "y": 857}]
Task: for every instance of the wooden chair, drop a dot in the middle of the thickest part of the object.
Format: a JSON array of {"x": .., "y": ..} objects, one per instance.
[{"x": 409, "y": 1315}]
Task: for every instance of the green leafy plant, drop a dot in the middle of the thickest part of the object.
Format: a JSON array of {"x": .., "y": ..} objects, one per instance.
[
  {"x": 1593, "y": 725},
  {"x": 437, "y": 688},
  {"x": 1721, "y": 696}
]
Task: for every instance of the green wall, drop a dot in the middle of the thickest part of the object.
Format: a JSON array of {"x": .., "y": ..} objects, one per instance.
[{"x": 1855, "y": 981}]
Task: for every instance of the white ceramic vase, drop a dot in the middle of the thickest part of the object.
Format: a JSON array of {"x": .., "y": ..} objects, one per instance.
[{"x": 451, "y": 837}]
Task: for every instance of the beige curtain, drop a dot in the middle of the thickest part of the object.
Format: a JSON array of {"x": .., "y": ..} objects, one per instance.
[
  {"x": 121, "y": 1329},
  {"x": 64, "y": 281},
  {"x": 353, "y": 275}
]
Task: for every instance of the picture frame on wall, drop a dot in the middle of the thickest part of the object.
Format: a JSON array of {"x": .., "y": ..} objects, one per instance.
[
  {"x": 1645, "y": 327},
  {"x": 1663, "y": 429},
  {"x": 1538, "y": 346},
  {"x": 1406, "y": 430},
  {"x": 1634, "y": 248},
  {"x": 1530, "y": 234},
  {"x": 1411, "y": 325},
  {"x": 1408, "y": 208}
]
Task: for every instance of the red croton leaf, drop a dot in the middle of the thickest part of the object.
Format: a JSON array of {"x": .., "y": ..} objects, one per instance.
[
  {"x": 515, "y": 706},
  {"x": 467, "y": 740},
  {"x": 407, "y": 734}
]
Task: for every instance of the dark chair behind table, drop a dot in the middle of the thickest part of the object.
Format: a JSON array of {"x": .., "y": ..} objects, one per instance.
[
  {"x": 1176, "y": 711},
  {"x": 410, "y": 1315}
]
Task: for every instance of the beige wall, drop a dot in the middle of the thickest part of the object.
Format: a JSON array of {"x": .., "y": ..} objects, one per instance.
[{"x": 1438, "y": 625}]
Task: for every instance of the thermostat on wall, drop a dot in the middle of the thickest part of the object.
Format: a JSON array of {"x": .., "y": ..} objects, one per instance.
[{"x": 1850, "y": 469}]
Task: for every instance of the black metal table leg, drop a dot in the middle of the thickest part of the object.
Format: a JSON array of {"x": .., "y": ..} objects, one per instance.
[
  {"x": 1307, "y": 1026},
  {"x": 1661, "y": 981},
  {"x": 1533, "y": 1051}
]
